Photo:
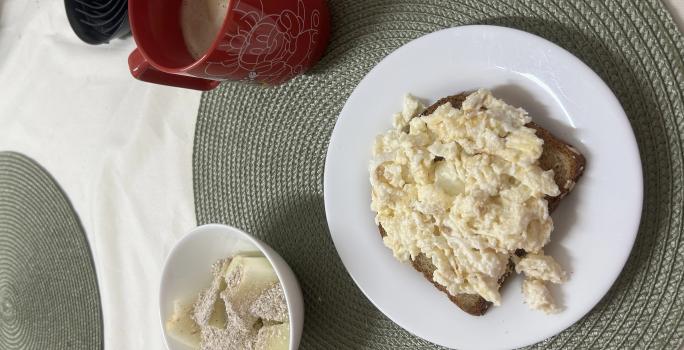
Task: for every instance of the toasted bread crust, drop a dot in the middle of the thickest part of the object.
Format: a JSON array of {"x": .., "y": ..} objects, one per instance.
[
  {"x": 566, "y": 161},
  {"x": 568, "y": 165}
]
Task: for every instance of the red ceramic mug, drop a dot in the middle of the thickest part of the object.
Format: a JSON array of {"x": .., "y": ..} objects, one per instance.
[{"x": 263, "y": 41}]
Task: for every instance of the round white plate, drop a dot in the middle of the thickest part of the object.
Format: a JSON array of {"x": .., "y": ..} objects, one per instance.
[{"x": 595, "y": 226}]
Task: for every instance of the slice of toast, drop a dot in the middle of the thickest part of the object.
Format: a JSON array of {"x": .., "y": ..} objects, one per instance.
[{"x": 567, "y": 164}]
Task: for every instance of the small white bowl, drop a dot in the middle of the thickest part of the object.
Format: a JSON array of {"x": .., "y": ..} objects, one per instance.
[{"x": 187, "y": 271}]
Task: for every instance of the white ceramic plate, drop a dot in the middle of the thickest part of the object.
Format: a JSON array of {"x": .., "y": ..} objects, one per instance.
[{"x": 595, "y": 226}]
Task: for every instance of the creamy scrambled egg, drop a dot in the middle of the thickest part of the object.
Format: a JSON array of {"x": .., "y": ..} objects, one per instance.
[{"x": 464, "y": 188}]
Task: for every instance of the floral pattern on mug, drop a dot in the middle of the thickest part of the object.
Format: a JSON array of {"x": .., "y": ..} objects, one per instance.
[{"x": 266, "y": 47}]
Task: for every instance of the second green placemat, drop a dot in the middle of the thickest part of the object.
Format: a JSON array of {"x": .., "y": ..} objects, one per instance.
[
  {"x": 49, "y": 298},
  {"x": 259, "y": 155}
]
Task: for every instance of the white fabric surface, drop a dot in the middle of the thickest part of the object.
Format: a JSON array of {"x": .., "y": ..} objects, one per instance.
[{"x": 120, "y": 149}]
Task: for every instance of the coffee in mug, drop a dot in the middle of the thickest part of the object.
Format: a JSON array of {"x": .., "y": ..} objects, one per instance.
[{"x": 201, "y": 21}]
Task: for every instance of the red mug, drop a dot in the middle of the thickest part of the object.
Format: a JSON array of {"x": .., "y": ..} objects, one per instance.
[{"x": 262, "y": 41}]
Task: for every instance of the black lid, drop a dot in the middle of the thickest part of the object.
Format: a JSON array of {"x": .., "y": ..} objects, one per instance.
[{"x": 98, "y": 21}]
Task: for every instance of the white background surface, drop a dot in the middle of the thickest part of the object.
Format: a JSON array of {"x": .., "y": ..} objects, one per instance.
[{"x": 120, "y": 149}]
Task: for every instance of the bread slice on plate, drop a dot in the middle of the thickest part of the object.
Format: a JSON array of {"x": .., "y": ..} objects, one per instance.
[{"x": 567, "y": 164}]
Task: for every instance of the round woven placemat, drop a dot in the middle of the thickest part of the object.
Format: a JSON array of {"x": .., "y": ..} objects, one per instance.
[
  {"x": 259, "y": 155},
  {"x": 48, "y": 288}
]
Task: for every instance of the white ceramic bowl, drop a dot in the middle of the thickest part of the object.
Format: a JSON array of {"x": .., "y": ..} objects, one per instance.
[{"x": 187, "y": 271}]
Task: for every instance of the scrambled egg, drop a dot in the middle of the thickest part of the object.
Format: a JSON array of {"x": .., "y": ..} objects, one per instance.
[{"x": 464, "y": 188}]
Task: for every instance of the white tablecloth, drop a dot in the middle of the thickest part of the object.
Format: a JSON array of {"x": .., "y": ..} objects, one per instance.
[{"x": 120, "y": 149}]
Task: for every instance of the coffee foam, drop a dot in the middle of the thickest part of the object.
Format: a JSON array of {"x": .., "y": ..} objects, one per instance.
[{"x": 201, "y": 21}]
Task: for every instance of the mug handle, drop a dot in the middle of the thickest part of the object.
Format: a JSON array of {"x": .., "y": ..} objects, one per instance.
[{"x": 141, "y": 69}]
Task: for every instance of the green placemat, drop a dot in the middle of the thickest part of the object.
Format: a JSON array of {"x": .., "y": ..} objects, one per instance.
[
  {"x": 259, "y": 156},
  {"x": 48, "y": 288}
]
